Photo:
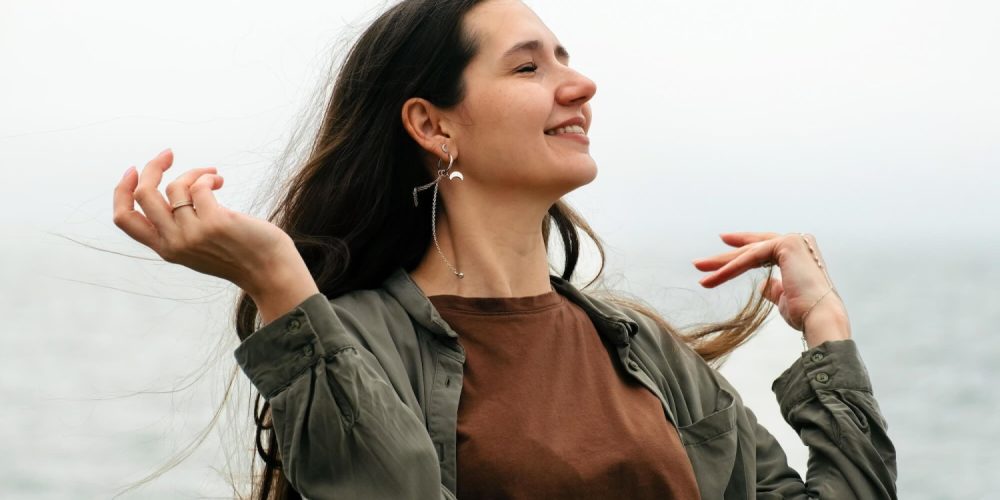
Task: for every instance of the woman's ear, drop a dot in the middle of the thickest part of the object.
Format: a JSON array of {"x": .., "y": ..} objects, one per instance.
[{"x": 425, "y": 124}]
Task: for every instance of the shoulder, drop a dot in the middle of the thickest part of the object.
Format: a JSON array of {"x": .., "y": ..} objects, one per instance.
[
  {"x": 366, "y": 306},
  {"x": 370, "y": 315},
  {"x": 653, "y": 336},
  {"x": 675, "y": 366},
  {"x": 663, "y": 342}
]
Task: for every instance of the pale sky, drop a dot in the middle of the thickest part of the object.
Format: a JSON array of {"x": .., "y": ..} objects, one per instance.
[{"x": 851, "y": 120}]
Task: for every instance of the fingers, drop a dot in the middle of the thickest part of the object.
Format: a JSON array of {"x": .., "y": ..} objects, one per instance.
[
  {"x": 740, "y": 240},
  {"x": 158, "y": 223},
  {"x": 179, "y": 190},
  {"x": 126, "y": 217},
  {"x": 753, "y": 256},
  {"x": 717, "y": 261},
  {"x": 147, "y": 193},
  {"x": 746, "y": 238},
  {"x": 201, "y": 193}
]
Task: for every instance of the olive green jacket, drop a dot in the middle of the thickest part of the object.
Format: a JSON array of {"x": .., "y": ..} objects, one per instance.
[{"x": 364, "y": 392}]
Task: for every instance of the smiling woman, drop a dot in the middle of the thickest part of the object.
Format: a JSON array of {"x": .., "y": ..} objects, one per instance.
[{"x": 402, "y": 351}]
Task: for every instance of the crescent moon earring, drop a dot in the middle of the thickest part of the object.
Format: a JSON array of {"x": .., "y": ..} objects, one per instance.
[
  {"x": 451, "y": 161},
  {"x": 441, "y": 174}
]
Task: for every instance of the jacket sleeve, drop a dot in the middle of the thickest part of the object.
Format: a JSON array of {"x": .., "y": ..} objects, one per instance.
[
  {"x": 826, "y": 396},
  {"x": 342, "y": 430}
]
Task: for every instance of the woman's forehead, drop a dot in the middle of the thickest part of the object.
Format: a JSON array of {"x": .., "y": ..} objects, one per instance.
[{"x": 501, "y": 25}]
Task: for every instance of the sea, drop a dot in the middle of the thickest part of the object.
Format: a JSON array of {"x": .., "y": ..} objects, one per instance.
[{"x": 116, "y": 366}]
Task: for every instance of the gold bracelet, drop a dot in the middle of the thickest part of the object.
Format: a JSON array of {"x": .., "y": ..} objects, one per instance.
[
  {"x": 815, "y": 257},
  {"x": 806, "y": 315}
]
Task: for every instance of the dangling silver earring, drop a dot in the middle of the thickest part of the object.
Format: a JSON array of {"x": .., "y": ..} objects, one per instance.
[{"x": 440, "y": 174}]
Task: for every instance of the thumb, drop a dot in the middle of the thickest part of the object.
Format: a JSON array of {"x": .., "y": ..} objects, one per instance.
[{"x": 772, "y": 290}]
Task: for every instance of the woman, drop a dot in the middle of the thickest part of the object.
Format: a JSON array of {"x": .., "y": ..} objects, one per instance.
[{"x": 406, "y": 270}]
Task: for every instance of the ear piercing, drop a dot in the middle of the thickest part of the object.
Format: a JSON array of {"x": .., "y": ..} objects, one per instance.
[{"x": 441, "y": 173}]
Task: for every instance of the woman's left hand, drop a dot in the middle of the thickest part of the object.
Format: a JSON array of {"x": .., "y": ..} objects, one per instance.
[{"x": 804, "y": 294}]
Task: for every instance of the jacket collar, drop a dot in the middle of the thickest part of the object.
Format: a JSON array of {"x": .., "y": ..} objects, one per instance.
[{"x": 609, "y": 320}]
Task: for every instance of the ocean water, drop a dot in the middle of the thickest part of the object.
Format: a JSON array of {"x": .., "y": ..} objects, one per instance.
[{"x": 112, "y": 365}]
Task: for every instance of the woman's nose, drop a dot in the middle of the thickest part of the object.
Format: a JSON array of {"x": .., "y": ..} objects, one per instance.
[{"x": 576, "y": 90}]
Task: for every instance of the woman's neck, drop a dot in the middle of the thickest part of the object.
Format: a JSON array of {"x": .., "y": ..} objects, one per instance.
[{"x": 499, "y": 253}]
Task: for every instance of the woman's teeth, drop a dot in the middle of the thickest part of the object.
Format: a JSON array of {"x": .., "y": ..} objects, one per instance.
[{"x": 572, "y": 129}]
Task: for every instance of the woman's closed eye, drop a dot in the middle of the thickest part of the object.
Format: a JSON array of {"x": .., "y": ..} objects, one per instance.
[{"x": 527, "y": 68}]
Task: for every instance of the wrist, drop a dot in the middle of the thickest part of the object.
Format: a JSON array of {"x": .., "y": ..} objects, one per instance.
[
  {"x": 280, "y": 285},
  {"x": 826, "y": 322}
]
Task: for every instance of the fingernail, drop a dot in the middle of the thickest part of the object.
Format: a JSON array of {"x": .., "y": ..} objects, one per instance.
[
  {"x": 164, "y": 152},
  {"x": 127, "y": 170}
]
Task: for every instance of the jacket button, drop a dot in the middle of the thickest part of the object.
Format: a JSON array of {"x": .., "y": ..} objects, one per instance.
[
  {"x": 308, "y": 350},
  {"x": 822, "y": 377},
  {"x": 294, "y": 325},
  {"x": 633, "y": 365},
  {"x": 817, "y": 356}
]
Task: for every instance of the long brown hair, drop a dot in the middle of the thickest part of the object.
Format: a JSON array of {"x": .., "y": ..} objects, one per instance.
[{"x": 349, "y": 206}]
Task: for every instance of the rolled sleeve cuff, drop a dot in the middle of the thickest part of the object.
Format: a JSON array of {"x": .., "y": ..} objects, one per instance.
[
  {"x": 834, "y": 364},
  {"x": 276, "y": 354}
]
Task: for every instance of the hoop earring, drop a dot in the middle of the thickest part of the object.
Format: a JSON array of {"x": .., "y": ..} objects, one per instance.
[{"x": 441, "y": 173}]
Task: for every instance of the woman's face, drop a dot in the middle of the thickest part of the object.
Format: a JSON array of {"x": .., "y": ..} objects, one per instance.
[{"x": 524, "y": 119}]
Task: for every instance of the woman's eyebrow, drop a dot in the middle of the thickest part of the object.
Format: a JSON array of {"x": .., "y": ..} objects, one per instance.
[{"x": 533, "y": 45}]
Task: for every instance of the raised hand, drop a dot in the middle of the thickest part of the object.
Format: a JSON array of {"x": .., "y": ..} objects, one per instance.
[
  {"x": 805, "y": 295},
  {"x": 190, "y": 228}
]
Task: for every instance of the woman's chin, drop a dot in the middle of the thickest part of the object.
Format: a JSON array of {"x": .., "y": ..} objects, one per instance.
[
  {"x": 578, "y": 176},
  {"x": 585, "y": 173}
]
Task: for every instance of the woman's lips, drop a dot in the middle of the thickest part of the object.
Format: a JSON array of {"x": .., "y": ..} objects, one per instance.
[{"x": 582, "y": 139}]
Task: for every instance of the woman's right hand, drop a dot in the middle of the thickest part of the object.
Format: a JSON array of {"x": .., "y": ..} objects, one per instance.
[{"x": 252, "y": 253}]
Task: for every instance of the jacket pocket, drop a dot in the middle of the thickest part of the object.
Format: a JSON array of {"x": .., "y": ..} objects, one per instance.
[{"x": 711, "y": 445}]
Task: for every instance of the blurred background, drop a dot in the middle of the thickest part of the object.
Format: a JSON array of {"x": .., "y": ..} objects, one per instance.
[{"x": 873, "y": 126}]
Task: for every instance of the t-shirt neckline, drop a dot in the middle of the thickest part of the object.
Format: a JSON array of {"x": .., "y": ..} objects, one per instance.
[{"x": 497, "y": 305}]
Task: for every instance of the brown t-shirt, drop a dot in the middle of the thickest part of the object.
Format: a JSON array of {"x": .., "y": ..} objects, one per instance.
[{"x": 547, "y": 413}]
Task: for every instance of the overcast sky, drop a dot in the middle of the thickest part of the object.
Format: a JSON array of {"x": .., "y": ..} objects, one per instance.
[{"x": 860, "y": 121}]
